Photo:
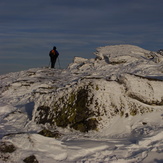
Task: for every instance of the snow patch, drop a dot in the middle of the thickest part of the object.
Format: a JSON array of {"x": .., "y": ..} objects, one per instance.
[{"x": 123, "y": 85}]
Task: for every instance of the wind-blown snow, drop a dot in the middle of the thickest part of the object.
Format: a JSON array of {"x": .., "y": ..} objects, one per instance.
[{"x": 126, "y": 88}]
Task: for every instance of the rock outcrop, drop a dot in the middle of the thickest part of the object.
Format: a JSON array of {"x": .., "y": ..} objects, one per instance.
[{"x": 123, "y": 80}]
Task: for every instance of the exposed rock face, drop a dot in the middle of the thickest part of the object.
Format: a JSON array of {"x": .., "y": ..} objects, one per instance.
[
  {"x": 31, "y": 159},
  {"x": 92, "y": 100},
  {"x": 6, "y": 148},
  {"x": 119, "y": 94},
  {"x": 160, "y": 51},
  {"x": 123, "y": 90},
  {"x": 71, "y": 109},
  {"x": 122, "y": 80}
]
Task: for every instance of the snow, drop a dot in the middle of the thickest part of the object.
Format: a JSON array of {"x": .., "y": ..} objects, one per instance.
[{"x": 121, "y": 76}]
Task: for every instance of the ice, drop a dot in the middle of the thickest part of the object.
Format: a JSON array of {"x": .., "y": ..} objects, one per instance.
[{"x": 121, "y": 76}]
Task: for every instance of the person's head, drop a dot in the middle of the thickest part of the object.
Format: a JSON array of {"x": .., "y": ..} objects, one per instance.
[{"x": 54, "y": 48}]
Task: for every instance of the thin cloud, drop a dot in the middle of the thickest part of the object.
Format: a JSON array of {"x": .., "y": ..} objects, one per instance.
[{"x": 29, "y": 29}]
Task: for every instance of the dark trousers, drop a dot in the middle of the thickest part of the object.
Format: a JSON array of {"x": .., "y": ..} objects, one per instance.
[{"x": 53, "y": 61}]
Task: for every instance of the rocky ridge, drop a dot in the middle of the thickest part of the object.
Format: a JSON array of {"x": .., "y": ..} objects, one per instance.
[
  {"x": 113, "y": 83},
  {"x": 105, "y": 109}
]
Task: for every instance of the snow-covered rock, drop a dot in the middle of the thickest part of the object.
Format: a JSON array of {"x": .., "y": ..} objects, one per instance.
[
  {"x": 83, "y": 104},
  {"x": 118, "y": 94}
]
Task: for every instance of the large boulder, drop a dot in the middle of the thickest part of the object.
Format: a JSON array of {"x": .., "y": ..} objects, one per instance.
[{"x": 88, "y": 104}]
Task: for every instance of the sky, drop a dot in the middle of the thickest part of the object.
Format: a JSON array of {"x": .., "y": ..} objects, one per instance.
[{"x": 30, "y": 29}]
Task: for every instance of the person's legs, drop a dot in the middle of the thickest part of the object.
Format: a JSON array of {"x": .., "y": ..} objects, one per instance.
[
  {"x": 52, "y": 62},
  {"x": 55, "y": 61}
]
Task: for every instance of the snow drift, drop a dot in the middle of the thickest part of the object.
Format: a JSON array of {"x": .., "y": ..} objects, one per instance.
[{"x": 115, "y": 97}]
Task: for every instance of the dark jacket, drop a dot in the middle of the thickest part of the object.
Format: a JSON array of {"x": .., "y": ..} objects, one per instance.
[{"x": 53, "y": 54}]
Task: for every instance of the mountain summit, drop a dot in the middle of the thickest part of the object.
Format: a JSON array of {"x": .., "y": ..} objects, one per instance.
[{"x": 116, "y": 96}]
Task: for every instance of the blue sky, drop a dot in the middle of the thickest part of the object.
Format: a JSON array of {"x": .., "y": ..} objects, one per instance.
[{"x": 29, "y": 29}]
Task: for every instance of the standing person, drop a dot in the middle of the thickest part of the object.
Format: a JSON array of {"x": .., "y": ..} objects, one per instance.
[{"x": 53, "y": 56}]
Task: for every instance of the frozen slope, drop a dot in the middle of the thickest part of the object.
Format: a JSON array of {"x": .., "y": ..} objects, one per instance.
[{"x": 107, "y": 109}]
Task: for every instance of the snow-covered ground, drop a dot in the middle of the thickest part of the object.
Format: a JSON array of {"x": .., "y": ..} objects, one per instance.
[{"x": 121, "y": 76}]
